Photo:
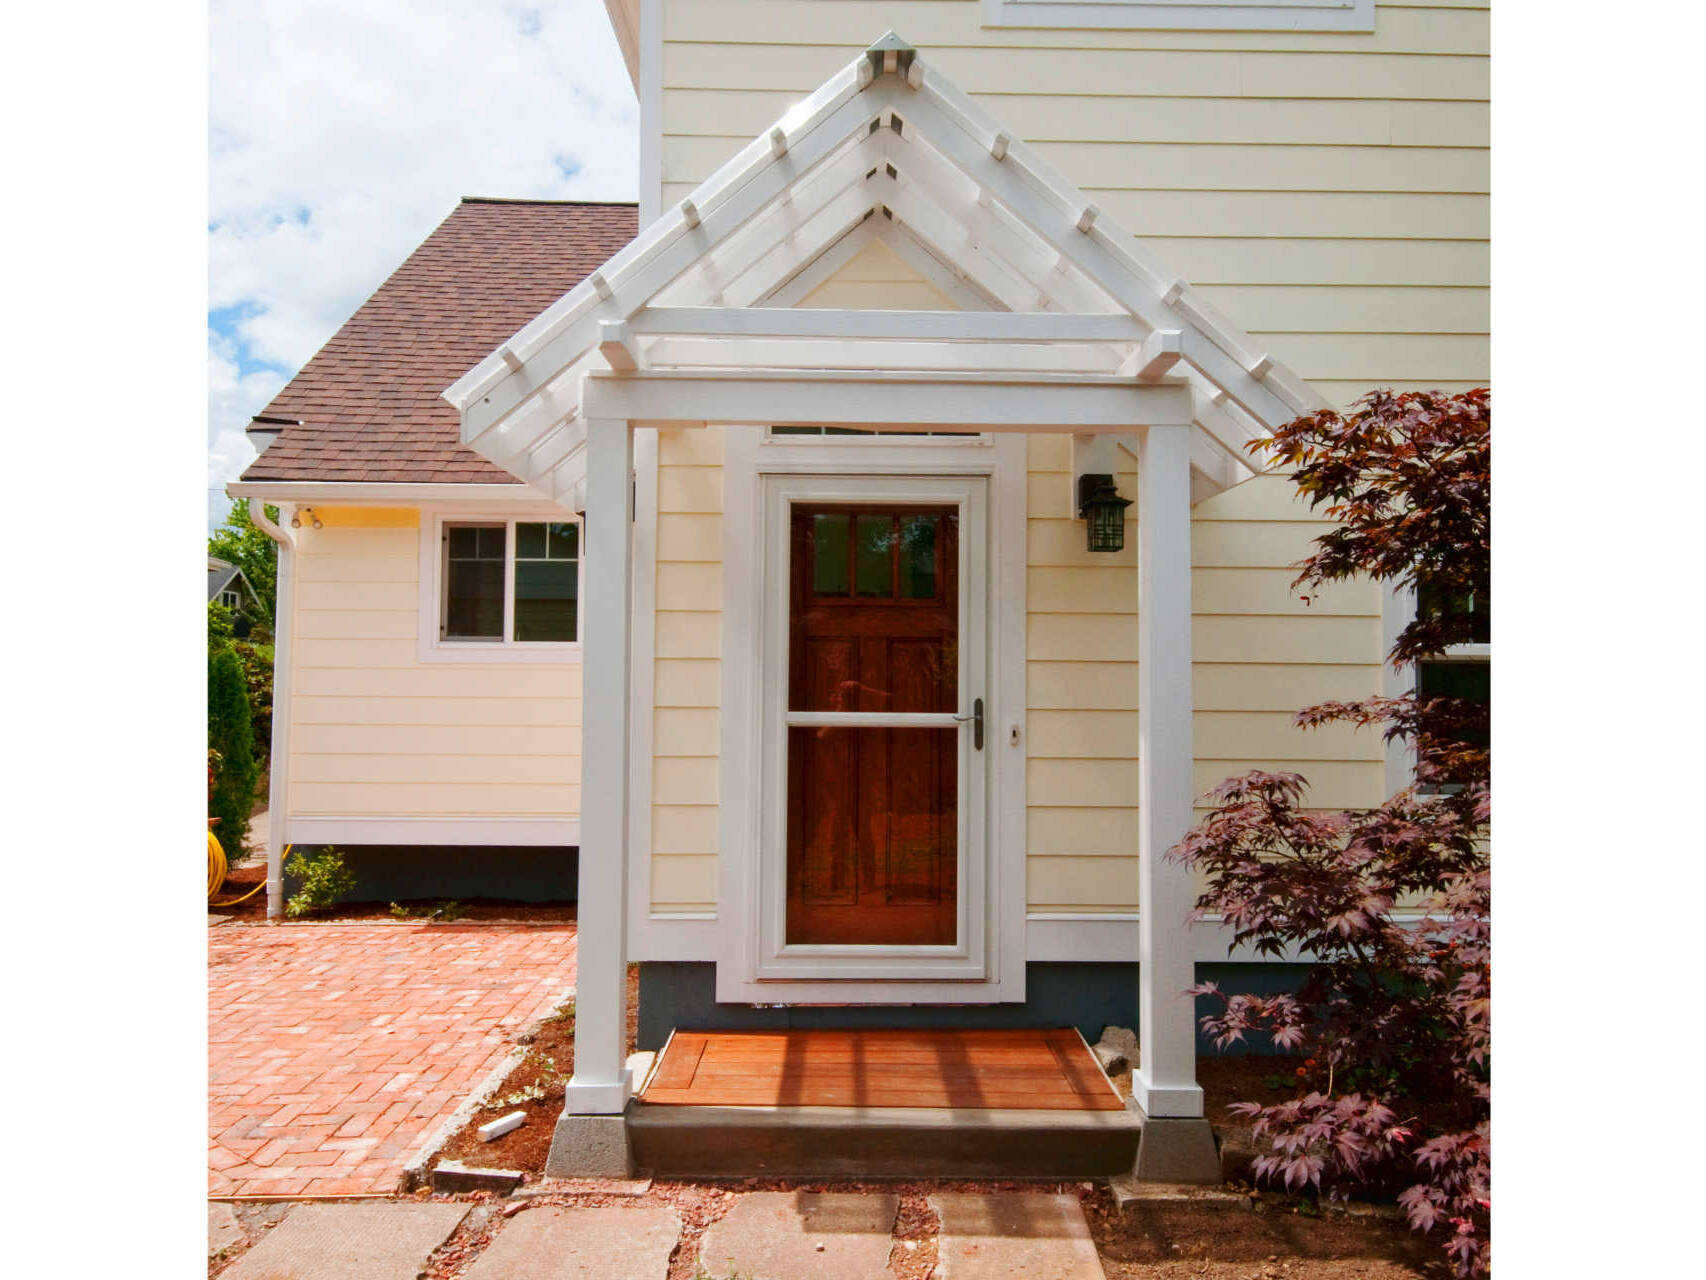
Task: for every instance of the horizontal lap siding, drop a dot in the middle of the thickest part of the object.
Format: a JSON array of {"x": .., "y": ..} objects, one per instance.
[
  {"x": 1328, "y": 192},
  {"x": 377, "y": 733},
  {"x": 1261, "y": 653},
  {"x": 687, "y": 670}
]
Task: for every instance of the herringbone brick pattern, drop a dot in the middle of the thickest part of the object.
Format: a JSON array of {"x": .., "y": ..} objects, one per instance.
[{"x": 335, "y": 1049}]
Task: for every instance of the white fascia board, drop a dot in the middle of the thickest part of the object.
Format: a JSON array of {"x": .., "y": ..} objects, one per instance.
[
  {"x": 625, "y": 22},
  {"x": 986, "y": 402},
  {"x": 725, "y": 202},
  {"x": 378, "y": 494}
]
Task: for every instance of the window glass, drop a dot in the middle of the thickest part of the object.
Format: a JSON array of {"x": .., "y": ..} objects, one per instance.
[
  {"x": 474, "y": 582},
  {"x": 918, "y": 557},
  {"x": 547, "y": 581},
  {"x": 872, "y": 560}
]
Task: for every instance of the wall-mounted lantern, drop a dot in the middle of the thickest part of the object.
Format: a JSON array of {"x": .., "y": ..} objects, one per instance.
[{"x": 1103, "y": 512}]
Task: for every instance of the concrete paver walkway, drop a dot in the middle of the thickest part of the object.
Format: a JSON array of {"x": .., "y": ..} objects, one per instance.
[
  {"x": 581, "y": 1244},
  {"x": 786, "y": 1235},
  {"x": 335, "y": 1049},
  {"x": 1014, "y": 1237},
  {"x": 350, "y": 1242}
]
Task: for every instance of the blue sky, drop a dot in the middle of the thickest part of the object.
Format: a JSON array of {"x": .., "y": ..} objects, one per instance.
[{"x": 340, "y": 135}]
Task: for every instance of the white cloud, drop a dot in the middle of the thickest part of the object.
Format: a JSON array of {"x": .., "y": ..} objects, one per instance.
[
  {"x": 232, "y": 399},
  {"x": 340, "y": 135}
]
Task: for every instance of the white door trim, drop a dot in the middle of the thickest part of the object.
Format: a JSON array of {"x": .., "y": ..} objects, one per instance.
[{"x": 990, "y": 968}]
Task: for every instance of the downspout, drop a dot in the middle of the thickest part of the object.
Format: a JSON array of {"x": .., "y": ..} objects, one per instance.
[{"x": 284, "y": 614}]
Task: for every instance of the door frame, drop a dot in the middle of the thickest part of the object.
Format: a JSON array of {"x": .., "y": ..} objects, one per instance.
[
  {"x": 967, "y": 958},
  {"x": 761, "y": 480}
]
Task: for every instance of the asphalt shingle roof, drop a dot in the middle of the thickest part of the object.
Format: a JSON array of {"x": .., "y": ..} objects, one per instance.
[{"x": 368, "y": 404}]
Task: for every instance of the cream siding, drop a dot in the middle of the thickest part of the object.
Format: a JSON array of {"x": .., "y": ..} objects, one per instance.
[
  {"x": 376, "y": 732},
  {"x": 1327, "y": 192},
  {"x": 687, "y": 670}
]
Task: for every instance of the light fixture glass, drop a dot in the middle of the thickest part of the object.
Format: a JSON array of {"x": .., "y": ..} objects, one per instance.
[{"x": 1103, "y": 512}]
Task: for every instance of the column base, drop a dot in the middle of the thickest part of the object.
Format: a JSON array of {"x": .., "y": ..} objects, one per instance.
[
  {"x": 583, "y": 1099},
  {"x": 1174, "y": 1150},
  {"x": 590, "y": 1147}
]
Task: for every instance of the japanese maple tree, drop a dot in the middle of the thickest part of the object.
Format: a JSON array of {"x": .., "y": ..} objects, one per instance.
[{"x": 1394, "y": 1013}]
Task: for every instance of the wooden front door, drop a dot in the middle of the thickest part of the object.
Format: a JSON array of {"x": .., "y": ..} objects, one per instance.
[{"x": 874, "y": 649}]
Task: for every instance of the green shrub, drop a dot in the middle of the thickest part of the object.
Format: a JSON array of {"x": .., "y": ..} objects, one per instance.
[
  {"x": 230, "y": 738},
  {"x": 257, "y": 662},
  {"x": 324, "y": 879}
]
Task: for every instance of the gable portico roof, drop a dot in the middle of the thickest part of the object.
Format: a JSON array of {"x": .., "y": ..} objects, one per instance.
[{"x": 887, "y": 149}]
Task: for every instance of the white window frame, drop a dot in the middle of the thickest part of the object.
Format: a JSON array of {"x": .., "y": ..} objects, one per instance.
[
  {"x": 432, "y": 647},
  {"x": 1183, "y": 15},
  {"x": 231, "y": 599}
]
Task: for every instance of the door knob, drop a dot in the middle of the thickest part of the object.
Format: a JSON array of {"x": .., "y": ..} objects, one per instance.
[{"x": 976, "y": 718}]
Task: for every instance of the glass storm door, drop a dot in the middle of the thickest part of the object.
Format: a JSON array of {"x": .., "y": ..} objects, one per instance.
[{"x": 873, "y": 725}]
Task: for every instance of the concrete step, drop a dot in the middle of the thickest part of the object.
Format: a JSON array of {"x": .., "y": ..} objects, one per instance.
[{"x": 880, "y": 1142}]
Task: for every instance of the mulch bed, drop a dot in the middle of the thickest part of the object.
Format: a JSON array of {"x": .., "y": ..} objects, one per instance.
[{"x": 253, "y": 871}]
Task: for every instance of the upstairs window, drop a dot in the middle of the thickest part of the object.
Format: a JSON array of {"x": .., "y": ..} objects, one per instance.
[
  {"x": 1184, "y": 15},
  {"x": 511, "y": 582},
  {"x": 1463, "y": 670}
]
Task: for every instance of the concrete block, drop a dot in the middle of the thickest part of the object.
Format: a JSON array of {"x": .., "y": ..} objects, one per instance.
[
  {"x": 1014, "y": 1237},
  {"x": 1177, "y": 1150},
  {"x": 590, "y": 1147},
  {"x": 502, "y": 1125},
  {"x": 788, "y": 1235},
  {"x": 453, "y": 1175},
  {"x": 378, "y": 1241},
  {"x": 1111, "y": 1057},
  {"x": 581, "y": 1244}
]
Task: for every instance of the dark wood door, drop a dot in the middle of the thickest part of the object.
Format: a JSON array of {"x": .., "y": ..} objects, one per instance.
[{"x": 872, "y": 807}]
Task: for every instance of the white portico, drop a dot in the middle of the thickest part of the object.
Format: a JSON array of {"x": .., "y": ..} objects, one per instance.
[{"x": 1064, "y": 329}]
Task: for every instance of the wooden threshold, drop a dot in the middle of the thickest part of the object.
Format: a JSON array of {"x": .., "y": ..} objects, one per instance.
[{"x": 1033, "y": 1070}]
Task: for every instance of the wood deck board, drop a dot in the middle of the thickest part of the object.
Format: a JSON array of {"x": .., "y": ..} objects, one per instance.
[{"x": 1049, "y": 1070}]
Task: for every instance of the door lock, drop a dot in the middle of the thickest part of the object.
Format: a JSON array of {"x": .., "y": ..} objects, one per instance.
[{"x": 976, "y": 718}]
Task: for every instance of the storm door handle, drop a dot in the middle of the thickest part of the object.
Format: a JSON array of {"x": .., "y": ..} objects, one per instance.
[{"x": 976, "y": 718}]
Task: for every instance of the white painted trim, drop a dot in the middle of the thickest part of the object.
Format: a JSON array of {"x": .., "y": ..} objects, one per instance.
[
  {"x": 1088, "y": 402},
  {"x": 323, "y": 829},
  {"x": 792, "y": 291},
  {"x": 386, "y": 495},
  {"x": 1183, "y": 15},
  {"x": 283, "y": 667},
  {"x": 430, "y": 648},
  {"x": 1092, "y": 937},
  {"x": 648, "y": 87},
  {"x": 644, "y": 928},
  {"x": 897, "y": 326}
]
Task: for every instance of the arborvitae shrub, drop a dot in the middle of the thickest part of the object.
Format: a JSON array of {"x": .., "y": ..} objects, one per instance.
[{"x": 230, "y": 734}]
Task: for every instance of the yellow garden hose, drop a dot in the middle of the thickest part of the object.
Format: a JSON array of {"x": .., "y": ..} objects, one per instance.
[{"x": 216, "y": 869}]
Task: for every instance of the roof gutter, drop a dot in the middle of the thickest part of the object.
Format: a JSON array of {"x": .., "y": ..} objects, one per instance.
[
  {"x": 278, "y": 778},
  {"x": 376, "y": 494}
]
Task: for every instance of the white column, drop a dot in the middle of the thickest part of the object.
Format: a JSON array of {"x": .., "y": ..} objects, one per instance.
[
  {"x": 1165, "y": 1085},
  {"x": 600, "y": 1084}
]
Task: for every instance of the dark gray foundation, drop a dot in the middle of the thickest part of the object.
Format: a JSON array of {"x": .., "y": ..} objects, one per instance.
[{"x": 508, "y": 873}]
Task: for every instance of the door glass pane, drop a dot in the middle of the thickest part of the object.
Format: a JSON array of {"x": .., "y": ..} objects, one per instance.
[
  {"x": 474, "y": 582},
  {"x": 872, "y": 836},
  {"x": 917, "y": 554},
  {"x": 869, "y": 652},
  {"x": 873, "y": 562},
  {"x": 829, "y": 533},
  {"x": 547, "y": 581}
]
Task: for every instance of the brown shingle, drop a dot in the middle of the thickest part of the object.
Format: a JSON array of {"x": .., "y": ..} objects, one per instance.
[{"x": 368, "y": 401}]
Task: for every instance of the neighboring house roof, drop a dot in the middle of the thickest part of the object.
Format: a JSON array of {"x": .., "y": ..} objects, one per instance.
[
  {"x": 221, "y": 573},
  {"x": 368, "y": 408}
]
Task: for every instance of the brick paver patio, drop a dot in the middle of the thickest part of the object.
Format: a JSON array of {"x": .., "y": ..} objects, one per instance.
[{"x": 334, "y": 1050}]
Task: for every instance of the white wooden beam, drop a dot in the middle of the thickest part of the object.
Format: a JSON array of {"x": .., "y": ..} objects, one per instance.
[
  {"x": 619, "y": 347},
  {"x": 1160, "y": 351},
  {"x": 986, "y": 402},
  {"x": 953, "y": 283},
  {"x": 986, "y": 326},
  {"x": 791, "y": 291},
  {"x": 1164, "y": 1084},
  {"x": 600, "y": 1084},
  {"x": 485, "y": 399},
  {"x": 904, "y": 355}
]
